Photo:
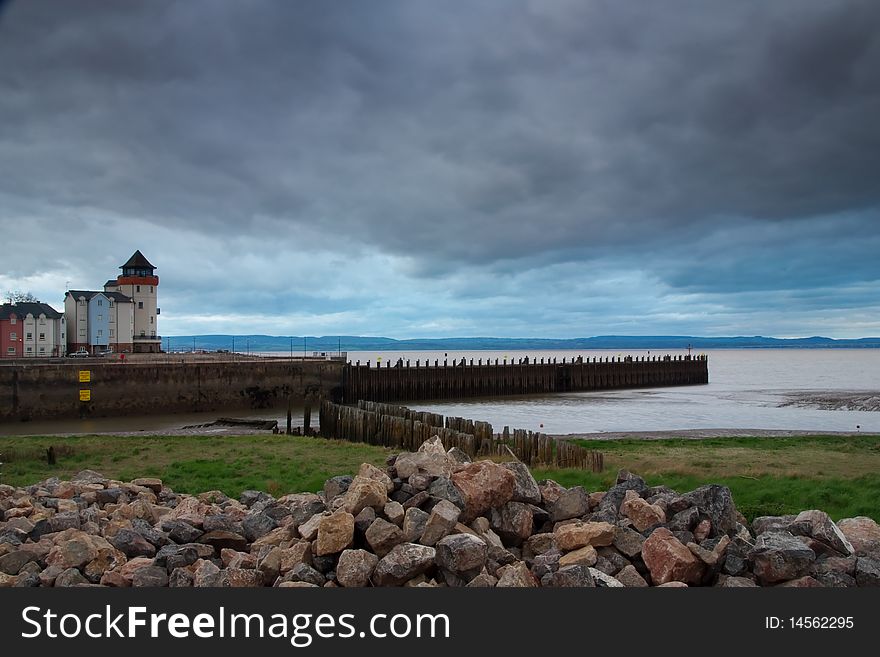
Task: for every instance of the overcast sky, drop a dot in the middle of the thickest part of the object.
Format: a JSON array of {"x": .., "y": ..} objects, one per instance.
[{"x": 409, "y": 168}]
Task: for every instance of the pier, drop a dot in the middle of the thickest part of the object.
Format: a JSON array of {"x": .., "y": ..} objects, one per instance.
[
  {"x": 429, "y": 380},
  {"x": 95, "y": 387}
]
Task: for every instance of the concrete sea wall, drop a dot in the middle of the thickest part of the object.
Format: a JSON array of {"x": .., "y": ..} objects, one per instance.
[{"x": 54, "y": 390}]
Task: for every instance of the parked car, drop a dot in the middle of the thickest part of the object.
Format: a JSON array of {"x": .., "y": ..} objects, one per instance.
[
  {"x": 82, "y": 352},
  {"x": 106, "y": 352}
]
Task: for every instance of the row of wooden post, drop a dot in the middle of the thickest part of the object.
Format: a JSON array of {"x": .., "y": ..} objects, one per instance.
[
  {"x": 402, "y": 428},
  {"x": 490, "y": 380}
]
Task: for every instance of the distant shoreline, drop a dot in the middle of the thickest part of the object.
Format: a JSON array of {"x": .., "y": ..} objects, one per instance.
[
  {"x": 332, "y": 344},
  {"x": 704, "y": 434}
]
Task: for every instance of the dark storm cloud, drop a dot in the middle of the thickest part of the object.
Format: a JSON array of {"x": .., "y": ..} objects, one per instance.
[{"x": 708, "y": 147}]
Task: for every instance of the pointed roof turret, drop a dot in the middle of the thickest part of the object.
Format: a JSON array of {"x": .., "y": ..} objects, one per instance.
[{"x": 137, "y": 261}]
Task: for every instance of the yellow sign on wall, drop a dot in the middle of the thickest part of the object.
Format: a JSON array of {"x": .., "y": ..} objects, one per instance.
[
  {"x": 85, "y": 376},
  {"x": 85, "y": 395}
]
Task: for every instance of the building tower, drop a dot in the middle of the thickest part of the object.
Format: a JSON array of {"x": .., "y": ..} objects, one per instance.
[{"x": 139, "y": 282}]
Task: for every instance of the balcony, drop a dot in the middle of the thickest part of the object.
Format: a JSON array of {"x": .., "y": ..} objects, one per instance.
[{"x": 147, "y": 338}]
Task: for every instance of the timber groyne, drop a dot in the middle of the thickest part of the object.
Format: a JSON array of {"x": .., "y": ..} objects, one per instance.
[
  {"x": 423, "y": 380},
  {"x": 403, "y": 428}
]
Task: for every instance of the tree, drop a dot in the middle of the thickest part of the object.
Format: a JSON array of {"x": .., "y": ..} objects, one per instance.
[{"x": 17, "y": 296}]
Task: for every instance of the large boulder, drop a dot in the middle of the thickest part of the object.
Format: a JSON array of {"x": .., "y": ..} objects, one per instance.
[
  {"x": 440, "y": 522},
  {"x": 571, "y": 503},
  {"x": 382, "y": 536},
  {"x": 403, "y": 563},
  {"x": 862, "y": 533},
  {"x": 335, "y": 533},
  {"x": 132, "y": 544},
  {"x": 628, "y": 542},
  {"x": 257, "y": 525},
  {"x": 525, "y": 488},
  {"x": 430, "y": 459},
  {"x": 414, "y": 521},
  {"x": 867, "y": 571},
  {"x": 442, "y": 488},
  {"x": 516, "y": 575},
  {"x": 364, "y": 492},
  {"x": 642, "y": 514},
  {"x": 372, "y": 472},
  {"x": 483, "y": 485},
  {"x": 577, "y": 575},
  {"x": 717, "y": 503},
  {"x": 462, "y": 554},
  {"x": 513, "y": 522},
  {"x": 585, "y": 556},
  {"x": 614, "y": 496},
  {"x": 355, "y": 568},
  {"x": 73, "y": 549},
  {"x": 668, "y": 560},
  {"x": 821, "y": 528},
  {"x": 580, "y": 534},
  {"x": 336, "y": 486},
  {"x": 779, "y": 556}
]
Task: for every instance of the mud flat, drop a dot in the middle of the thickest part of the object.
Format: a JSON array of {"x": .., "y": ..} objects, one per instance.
[
  {"x": 700, "y": 434},
  {"x": 835, "y": 401}
]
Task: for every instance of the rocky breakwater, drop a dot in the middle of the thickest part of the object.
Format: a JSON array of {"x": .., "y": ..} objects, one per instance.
[{"x": 431, "y": 518}]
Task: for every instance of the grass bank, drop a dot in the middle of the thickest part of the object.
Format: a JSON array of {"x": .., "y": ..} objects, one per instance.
[
  {"x": 768, "y": 476},
  {"x": 191, "y": 464}
]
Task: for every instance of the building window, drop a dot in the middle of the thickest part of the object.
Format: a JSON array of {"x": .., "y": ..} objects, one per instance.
[
  {"x": 42, "y": 336},
  {"x": 12, "y": 320},
  {"x": 111, "y": 333},
  {"x": 13, "y": 336},
  {"x": 10, "y": 350},
  {"x": 42, "y": 321},
  {"x": 30, "y": 350},
  {"x": 110, "y": 303},
  {"x": 151, "y": 289},
  {"x": 112, "y": 319},
  {"x": 100, "y": 334},
  {"x": 140, "y": 305},
  {"x": 100, "y": 302},
  {"x": 29, "y": 336},
  {"x": 100, "y": 318},
  {"x": 82, "y": 333},
  {"x": 151, "y": 319},
  {"x": 138, "y": 288},
  {"x": 42, "y": 350}
]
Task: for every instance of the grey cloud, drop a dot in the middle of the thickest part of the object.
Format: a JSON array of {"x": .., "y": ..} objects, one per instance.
[{"x": 491, "y": 137}]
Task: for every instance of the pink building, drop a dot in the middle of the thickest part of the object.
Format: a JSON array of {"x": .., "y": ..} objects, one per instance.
[{"x": 31, "y": 330}]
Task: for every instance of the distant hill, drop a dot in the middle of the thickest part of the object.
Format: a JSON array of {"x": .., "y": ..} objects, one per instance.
[{"x": 330, "y": 343}]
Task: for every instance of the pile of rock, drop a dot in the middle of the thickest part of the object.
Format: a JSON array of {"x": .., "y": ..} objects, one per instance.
[{"x": 432, "y": 518}]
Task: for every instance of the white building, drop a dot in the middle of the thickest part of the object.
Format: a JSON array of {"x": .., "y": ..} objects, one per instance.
[{"x": 122, "y": 318}]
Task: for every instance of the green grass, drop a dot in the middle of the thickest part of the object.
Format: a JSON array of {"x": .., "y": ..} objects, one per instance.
[
  {"x": 763, "y": 496},
  {"x": 768, "y": 476},
  {"x": 191, "y": 464}
]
